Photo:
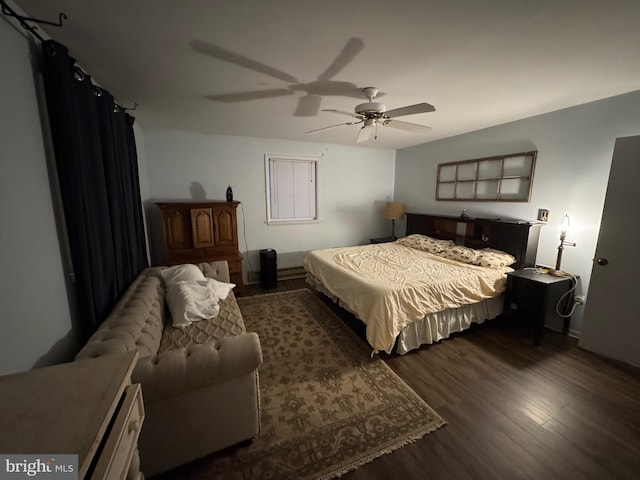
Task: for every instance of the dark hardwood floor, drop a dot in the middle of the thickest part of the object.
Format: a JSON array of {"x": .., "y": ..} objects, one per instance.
[{"x": 514, "y": 410}]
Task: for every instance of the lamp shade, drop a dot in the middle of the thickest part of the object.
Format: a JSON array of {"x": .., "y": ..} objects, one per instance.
[
  {"x": 564, "y": 224},
  {"x": 393, "y": 210}
]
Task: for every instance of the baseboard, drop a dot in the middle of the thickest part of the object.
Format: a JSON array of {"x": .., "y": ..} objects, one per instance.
[{"x": 287, "y": 273}]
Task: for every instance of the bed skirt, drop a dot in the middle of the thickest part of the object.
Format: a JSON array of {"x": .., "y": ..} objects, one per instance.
[
  {"x": 437, "y": 326},
  {"x": 434, "y": 326}
]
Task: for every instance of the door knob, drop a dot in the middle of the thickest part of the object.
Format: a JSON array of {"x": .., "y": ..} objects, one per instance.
[{"x": 602, "y": 261}]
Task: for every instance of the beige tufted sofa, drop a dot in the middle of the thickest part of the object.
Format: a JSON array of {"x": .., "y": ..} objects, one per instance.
[{"x": 199, "y": 383}]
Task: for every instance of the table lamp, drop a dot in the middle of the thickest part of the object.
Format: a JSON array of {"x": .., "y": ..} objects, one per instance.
[
  {"x": 393, "y": 211},
  {"x": 564, "y": 228}
]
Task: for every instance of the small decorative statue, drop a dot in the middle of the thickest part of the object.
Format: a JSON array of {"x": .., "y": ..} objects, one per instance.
[
  {"x": 229, "y": 194},
  {"x": 463, "y": 214}
]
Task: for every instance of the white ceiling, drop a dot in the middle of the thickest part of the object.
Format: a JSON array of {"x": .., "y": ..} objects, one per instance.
[{"x": 479, "y": 62}]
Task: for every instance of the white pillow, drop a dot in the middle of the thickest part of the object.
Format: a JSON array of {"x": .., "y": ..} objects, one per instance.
[
  {"x": 220, "y": 289},
  {"x": 190, "y": 301},
  {"x": 180, "y": 273}
]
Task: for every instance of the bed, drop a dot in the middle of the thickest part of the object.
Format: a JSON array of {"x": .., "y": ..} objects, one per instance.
[{"x": 445, "y": 275}]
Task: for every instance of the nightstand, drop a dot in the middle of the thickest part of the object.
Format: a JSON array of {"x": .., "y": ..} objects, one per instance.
[
  {"x": 535, "y": 296},
  {"x": 383, "y": 240}
]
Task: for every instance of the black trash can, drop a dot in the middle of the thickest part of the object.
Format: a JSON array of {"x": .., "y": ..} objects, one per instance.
[{"x": 268, "y": 268}]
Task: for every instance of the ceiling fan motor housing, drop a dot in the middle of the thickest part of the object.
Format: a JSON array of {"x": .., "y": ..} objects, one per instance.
[{"x": 371, "y": 109}]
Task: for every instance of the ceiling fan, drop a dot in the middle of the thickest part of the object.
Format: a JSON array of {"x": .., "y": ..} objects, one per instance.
[{"x": 371, "y": 114}]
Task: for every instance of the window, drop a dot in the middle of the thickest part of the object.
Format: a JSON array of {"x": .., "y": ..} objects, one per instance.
[{"x": 292, "y": 188}]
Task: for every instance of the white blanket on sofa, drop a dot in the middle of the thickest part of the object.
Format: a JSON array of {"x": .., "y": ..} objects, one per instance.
[{"x": 191, "y": 296}]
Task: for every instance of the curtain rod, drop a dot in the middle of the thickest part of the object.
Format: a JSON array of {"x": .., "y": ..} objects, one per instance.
[
  {"x": 10, "y": 12},
  {"x": 7, "y": 10}
]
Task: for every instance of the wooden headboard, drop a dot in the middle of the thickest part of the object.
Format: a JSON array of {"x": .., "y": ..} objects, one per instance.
[{"x": 519, "y": 238}]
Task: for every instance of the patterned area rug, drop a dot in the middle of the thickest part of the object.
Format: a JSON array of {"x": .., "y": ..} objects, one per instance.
[{"x": 327, "y": 406}]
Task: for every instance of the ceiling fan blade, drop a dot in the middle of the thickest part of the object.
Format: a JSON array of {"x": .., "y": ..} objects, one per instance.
[
  {"x": 308, "y": 106},
  {"x": 228, "y": 56},
  {"x": 341, "y": 112},
  {"x": 246, "y": 96},
  {"x": 330, "y": 126},
  {"x": 410, "y": 110},
  {"x": 406, "y": 126},
  {"x": 364, "y": 134},
  {"x": 348, "y": 52}
]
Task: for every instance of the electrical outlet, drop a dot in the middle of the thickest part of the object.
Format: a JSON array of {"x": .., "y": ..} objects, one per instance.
[{"x": 579, "y": 299}]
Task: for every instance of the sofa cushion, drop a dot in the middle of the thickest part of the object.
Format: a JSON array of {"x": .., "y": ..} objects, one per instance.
[{"x": 227, "y": 323}]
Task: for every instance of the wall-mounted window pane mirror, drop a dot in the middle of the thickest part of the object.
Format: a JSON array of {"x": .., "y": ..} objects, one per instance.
[
  {"x": 487, "y": 190},
  {"x": 503, "y": 178},
  {"x": 467, "y": 171},
  {"x": 514, "y": 188},
  {"x": 447, "y": 191},
  {"x": 490, "y": 169},
  {"x": 465, "y": 190},
  {"x": 447, "y": 173},
  {"x": 519, "y": 166}
]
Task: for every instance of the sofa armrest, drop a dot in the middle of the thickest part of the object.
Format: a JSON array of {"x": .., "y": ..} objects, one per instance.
[
  {"x": 218, "y": 270},
  {"x": 179, "y": 371}
]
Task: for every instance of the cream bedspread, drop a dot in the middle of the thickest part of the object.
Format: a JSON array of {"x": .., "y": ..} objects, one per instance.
[{"x": 390, "y": 285}]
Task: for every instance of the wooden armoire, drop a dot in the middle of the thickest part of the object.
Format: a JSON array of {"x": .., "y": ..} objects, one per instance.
[{"x": 197, "y": 232}]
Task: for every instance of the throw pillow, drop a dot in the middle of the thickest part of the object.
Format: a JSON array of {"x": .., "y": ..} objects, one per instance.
[
  {"x": 461, "y": 254},
  {"x": 425, "y": 243},
  {"x": 190, "y": 301},
  {"x": 488, "y": 257},
  {"x": 180, "y": 273},
  {"x": 220, "y": 289}
]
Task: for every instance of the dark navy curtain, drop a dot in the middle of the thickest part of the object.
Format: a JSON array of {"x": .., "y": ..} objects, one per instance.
[{"x": 97, "y": 168}]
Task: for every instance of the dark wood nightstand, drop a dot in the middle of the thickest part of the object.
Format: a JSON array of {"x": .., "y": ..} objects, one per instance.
[
  {"x": 383, "y": 240},
  {"x": 535, "y": 296}
]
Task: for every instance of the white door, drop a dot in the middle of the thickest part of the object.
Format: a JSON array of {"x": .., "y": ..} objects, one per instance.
[{"x": 611, "y": 324}]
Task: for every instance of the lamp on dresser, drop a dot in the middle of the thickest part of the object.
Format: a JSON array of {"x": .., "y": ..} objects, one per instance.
[{"x": 393, "y": 211}]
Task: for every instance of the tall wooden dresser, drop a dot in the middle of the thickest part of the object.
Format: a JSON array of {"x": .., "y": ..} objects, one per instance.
[{"x": 205, "y": 231}]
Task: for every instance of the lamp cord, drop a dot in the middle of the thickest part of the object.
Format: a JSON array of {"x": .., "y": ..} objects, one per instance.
[
  {"x": 574, "y": 280},
  {"x": 244, "y": 235}
]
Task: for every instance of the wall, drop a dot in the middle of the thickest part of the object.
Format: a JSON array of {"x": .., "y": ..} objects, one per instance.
[
  {"x": 35, "y": 325},
  {"x": 574, "y": 147},
  {"x": 138, "y": 134},
  {"x": 354, "y": 182}
]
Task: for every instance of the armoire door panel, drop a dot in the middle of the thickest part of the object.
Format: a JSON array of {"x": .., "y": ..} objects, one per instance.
[
  {"x": 202, "y": 227},
  {"x": 177, "y": 231},
  {"x": 225, "y": 233}
]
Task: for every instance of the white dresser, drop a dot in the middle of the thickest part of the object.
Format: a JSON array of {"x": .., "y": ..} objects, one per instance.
[{"x": 87, "y": 407}]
